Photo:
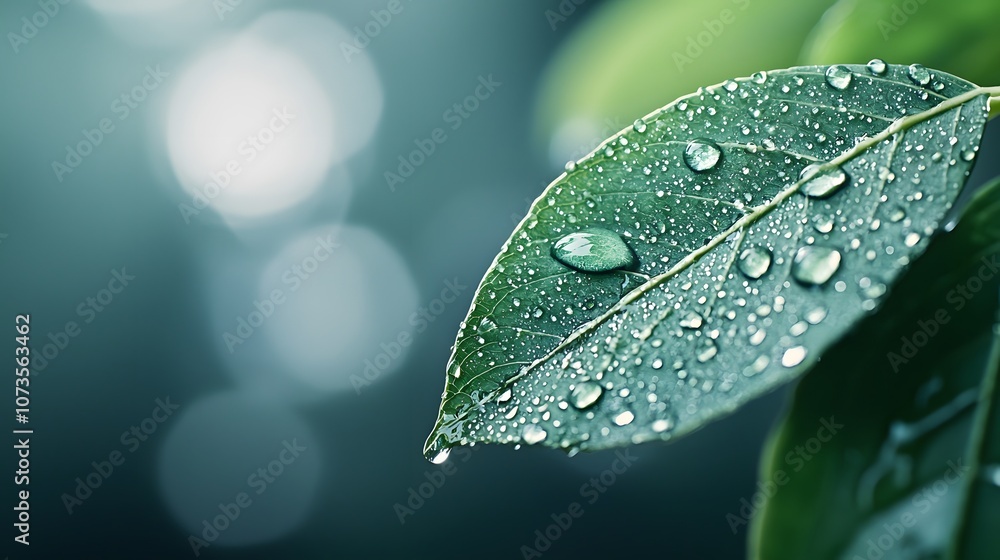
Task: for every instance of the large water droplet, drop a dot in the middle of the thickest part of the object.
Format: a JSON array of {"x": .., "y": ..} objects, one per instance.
[
  {"x": 533, "y": 433},
  {"x": 754, "y": 262},
  {"x": 593, "y": 250},
  {"x": 759, "y": 77},
  {"x": 663, "y": 424},
  {"x": 441, "y": 457},
  {"x": 486, "y": 325},
  {"x": 793, "y": 356},
  {"x": 702, "y": 154},
  {"x": 821, "y": 184},
  {"x": 639, "y": 126},
  {"x": 919, "y": 74},
  {"x": 815, "y": 265},
  {"x": 839, "y": 77},
  {"x": 625, "y": 418},
  {"x": 877, "y": 66},
  {"x": 585, "y": 394}
]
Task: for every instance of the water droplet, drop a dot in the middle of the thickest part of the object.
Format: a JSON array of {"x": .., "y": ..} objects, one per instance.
[
  {"x": 505, "y": 396},
  {"x": 570, "y": 166},
  {"x": 759, "y": 77},
  {"x": 662, "y": 425},
  {"x": 486, "y": 325},
  {"x": 691, "y": 320},
  {"x": 793, "y": 356},
  {"x": 441, "y": 457},
  {"x": 657, "y": 363},
  {"x": 816, "y": 316},
  {"x": 702, "y": 154},
  {"x": 639, "y": 126},
  {"x": 625, "y": 418},
  {"x": 839, "y": 77},
  {"x": 821, "y": 184},
  {"x": 920, "y": 75},
  {"x": 968, "y": 155},
  {"x": 532, "y": 434},
  {"x": 911, "y": 239},
  {"x": 708, "y": 352},
  {"x": 754, "y": 262},
  {"x": 877, "y": 66},
  {"x": 593, "y": 250},
  {"x": 730, "y": 85},
  {"x": 815, "y": 265},
  {"x": 897, "y": 215},
  {"x": 585, "y": 394}
]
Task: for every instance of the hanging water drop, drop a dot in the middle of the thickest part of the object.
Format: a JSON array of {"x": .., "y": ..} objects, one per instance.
[
  {"x": 639, "y": 126},
  {"x": 593, "y": 250},
  {"x": 441, "y": 457},
  {"x": 821, "y": 184},
  {"x": 754, "y": 262},
  {"x": 815, "y": 265},
  {"x": 570, "y": 166},
  {"x": 702, "y": 154},
  {"x": 918, "y": 74},
  {"x": 877, "y": 66},
  {"x": 585, "y": 394},
  {"x": 839, "y": 77}
]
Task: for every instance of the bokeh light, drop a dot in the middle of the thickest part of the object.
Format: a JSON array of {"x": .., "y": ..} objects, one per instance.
[{"x": 252, "y": 463}]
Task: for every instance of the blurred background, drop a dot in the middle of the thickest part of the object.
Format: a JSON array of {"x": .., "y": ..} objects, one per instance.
[{"x": 246, "y": 232}]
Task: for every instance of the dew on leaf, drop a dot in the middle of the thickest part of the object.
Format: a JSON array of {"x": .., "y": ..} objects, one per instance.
[
  {"x": 918, "y": 74},
  {"x": 793, "y": 356},
  {"x": 839, "y": 77},
  {"x": 625, "y": 418},
  {"x": 585, "y": 394},
  {"x": 593, "y": 250},
  {"x": 754, "y": 262},
  {"x": 814, "y": 265},
  {"x": 702, "y": 154},
  {"x": 533, "y": 433},
  {"x": 821, "y": 184},
  {"x": 876, "y": 66}
]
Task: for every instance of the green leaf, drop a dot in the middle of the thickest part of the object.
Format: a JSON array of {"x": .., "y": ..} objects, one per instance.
[
  {"x": 629, "y": 56},
  {"x": 739, "y": 281},
  {"x": 957, "y": 37},
  {"x": 913, "y": 452}
]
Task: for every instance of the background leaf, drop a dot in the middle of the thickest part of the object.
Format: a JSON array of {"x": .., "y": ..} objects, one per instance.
[
  {"x": 957, "y": 37},
  {"x": 632, "y": 55},
  {"x": 893, "y": 482},
  {"x": 736, "y": 282}
]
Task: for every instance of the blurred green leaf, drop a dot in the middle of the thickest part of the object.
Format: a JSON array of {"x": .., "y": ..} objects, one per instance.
[
  {"x": 957, "y": 37},
  {"x": 631, "y": 55},
  {"x": 908, "y": 458},
  {"x": 706, "y": 255}
]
